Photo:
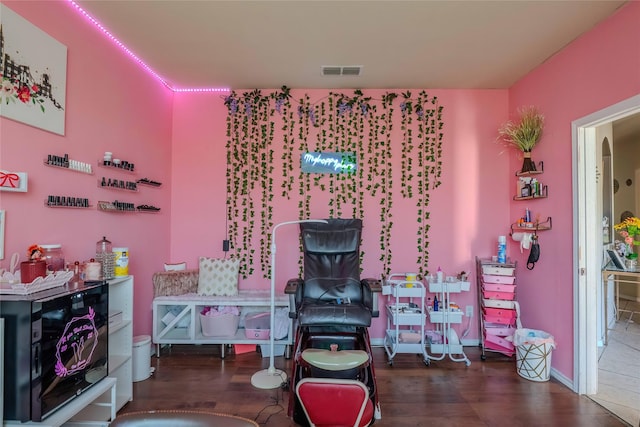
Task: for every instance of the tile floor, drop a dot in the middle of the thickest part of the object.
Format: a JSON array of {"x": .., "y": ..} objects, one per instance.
[{"x": 619, "y": 366}]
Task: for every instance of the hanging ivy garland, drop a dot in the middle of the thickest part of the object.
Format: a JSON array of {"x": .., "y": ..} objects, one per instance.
[{"x": 358, "y": 126}]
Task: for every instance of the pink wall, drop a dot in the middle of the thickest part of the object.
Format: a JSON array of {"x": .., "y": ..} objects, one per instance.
[
  {"x": 198, "y": 177},
  {"x": 469, "y": 210},
  {"x": 179, "y": 140},
  {"x": 111, "y": 105},
  {"x": 599, "y": 69}
]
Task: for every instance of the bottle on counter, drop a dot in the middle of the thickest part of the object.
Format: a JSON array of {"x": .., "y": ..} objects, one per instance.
[
  {"x": 77, "y": 274},
  {"x": 106, "y": 257},
  {"x": 54, "y": 257}
]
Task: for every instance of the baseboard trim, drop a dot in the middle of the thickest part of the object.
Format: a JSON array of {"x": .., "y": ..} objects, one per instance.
[{"x": 555, "y": 374}]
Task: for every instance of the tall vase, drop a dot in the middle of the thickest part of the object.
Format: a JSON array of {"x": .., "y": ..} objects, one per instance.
[
  {"x": 631, "y": 262},
  {"x": 527, "y": 165}
]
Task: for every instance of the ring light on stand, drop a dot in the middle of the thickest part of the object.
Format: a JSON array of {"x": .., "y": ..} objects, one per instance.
[{"x": 272, "y": 377}]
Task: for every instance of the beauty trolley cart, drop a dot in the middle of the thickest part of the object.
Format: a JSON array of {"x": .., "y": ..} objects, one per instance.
[
  {"x": 447, "y": 315},
  {"x": 405, "y": 316}
]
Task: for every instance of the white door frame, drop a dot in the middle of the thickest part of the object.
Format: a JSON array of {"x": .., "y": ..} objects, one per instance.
[{"x": 587, "y": 256}]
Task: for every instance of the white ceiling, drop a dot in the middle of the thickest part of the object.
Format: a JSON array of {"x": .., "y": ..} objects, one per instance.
[{"x": 400, "y": 44}]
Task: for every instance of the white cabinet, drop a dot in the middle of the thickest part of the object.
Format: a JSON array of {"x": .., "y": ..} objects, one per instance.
[
  {"x": 98, "y": 405},
  {"x": 405, "y": 317},
  {"x": 176, "y": 319},
  {"x": 94, "y": 407},
  {"x": 121, "y": 337}
]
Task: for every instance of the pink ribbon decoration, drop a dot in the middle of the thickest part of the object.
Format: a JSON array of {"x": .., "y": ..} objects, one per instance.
[{"x": 13, "y": 178}]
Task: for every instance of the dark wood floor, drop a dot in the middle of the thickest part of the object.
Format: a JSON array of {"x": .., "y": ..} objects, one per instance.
[{"x": 488, "y": 393}]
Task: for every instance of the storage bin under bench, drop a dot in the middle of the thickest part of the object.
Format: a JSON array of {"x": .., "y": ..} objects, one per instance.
[{"x": 176, "y": 318}]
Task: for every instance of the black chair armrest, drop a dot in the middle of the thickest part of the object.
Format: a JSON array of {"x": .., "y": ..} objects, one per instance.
[
  {"x": 375, "y": 287},
  {"x": 293, "y": 285},
  {"x": 293, "y": 288}
]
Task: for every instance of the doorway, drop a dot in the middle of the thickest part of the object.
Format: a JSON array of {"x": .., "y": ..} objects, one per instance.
[{"x": 588, "y": 238}]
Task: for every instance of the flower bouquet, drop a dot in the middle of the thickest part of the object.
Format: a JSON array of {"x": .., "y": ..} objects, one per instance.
[
  {"x": 629, "y": 229},
  {"x": 524, "y": 134}
]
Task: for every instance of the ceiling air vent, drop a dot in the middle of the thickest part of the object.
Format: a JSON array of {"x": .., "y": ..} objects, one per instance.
[
  {"x": 351, "y": 71},
  {"x": 333, "y": 70}
]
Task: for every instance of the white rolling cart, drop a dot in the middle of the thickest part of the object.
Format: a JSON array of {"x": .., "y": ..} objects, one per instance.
[
  {"x": 444, "y": 318},
  {"x": 405, "y": 316}
]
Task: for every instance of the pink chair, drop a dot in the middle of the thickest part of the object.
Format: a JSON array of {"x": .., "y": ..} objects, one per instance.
[{"x": 333, "y": 402}]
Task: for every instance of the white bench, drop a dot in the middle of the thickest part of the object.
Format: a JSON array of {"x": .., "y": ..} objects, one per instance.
[{"x": 176, "y": 318}]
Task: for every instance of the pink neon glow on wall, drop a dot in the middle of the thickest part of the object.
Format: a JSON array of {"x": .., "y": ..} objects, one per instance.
[
  {"x": 179, "y": 139},
  {"x": 112, "y": 105},
  {"x": 133, "y": 56}
]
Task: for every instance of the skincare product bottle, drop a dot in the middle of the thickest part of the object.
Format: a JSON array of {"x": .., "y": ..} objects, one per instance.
[
  {"x": 439, "y": 275},
  {"x": 502, "y": 249}
]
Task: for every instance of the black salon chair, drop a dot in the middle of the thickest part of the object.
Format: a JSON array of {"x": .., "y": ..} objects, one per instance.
[
  {"x": 331, "y": 292},
  {"x": 332, "y": 307}
]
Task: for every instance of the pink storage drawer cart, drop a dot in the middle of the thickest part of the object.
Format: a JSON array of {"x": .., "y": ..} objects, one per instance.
[
  {"x": 509, "y": 296},
  {"x": 490, "y": 278},
  {"x": 496, "y": 287},
  {"x": 499, "y": 310}
]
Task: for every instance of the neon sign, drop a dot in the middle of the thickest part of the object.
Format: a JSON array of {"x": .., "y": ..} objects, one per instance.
[
  {"x": 76, "y": 345},
  {"x": 329, "y": 163}
]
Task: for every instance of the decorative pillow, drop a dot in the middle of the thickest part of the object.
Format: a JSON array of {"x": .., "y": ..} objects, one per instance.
[
  {"x": 218, "y": 276},
  {"x": 175, "y": 267},
  {"x": 168, "y": 283}
]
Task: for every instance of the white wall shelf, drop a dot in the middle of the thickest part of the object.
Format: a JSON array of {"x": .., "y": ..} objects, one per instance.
[
  {"x": 114, "y": 167},
  {"x": 80, "y": 167}
]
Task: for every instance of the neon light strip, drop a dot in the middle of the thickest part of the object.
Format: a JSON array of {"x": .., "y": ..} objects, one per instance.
[
  {"x": 135, "y": 58},
  {"x": 204, "y": 89}
]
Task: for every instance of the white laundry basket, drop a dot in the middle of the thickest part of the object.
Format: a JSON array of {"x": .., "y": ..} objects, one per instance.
[
  {"x": 533, "y": 354},
  {"x": 141, "y": 357}
]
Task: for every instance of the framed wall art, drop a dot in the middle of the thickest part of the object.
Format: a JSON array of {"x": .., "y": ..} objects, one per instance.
[
  {"x": 34, "y": 74},
  {"x": 13, "y": 181}
]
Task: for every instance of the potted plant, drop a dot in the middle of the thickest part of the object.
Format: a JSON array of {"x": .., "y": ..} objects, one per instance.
[{"x": 524, "y": 134}]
